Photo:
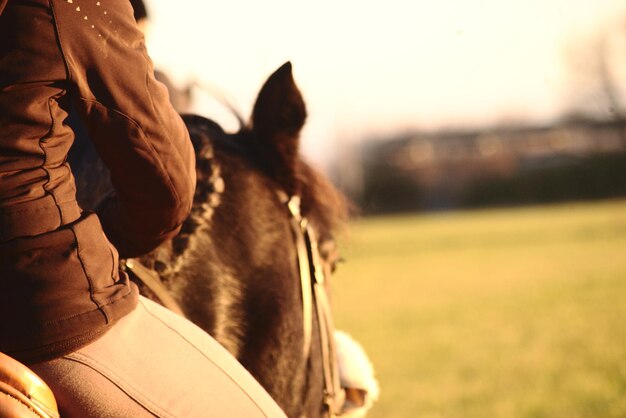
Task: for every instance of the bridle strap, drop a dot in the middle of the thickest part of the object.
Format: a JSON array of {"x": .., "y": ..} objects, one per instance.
[
  {"x": 314, "y": 295},
  {"x": 334, "y": 396},
  {"x": 298, "y": 224},
  {"x": 154, "y": 283}
]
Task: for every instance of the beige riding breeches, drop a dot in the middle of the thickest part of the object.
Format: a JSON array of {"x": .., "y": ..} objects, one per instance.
[{"x": 154, "y": 363}]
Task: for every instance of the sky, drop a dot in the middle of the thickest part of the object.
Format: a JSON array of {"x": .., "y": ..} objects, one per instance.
[{"x": 372, "y": 69}]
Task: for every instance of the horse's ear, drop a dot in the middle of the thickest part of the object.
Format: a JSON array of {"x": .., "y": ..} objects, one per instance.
[{"x": 277, "y": 119}]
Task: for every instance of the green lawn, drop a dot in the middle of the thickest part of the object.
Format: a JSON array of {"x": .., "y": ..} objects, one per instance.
[{"x": 495, "y": 313}]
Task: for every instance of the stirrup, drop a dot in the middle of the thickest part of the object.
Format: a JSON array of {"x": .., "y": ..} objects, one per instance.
[{"x": 22, "y": 393}]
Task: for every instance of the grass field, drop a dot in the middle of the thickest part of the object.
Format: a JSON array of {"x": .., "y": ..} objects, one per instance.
[{"x": 495, "y": 313}]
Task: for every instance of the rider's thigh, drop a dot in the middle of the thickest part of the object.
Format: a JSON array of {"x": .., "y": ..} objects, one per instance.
[{"x": 155, "y": 363}]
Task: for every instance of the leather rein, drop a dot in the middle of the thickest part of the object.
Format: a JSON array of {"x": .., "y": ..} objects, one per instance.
[
  {"x": 314, "y": 299},
  {"x": 152, "y": 281}
]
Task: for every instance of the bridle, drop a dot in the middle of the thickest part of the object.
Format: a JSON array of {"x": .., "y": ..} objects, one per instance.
[{"x": 314, "y": 297}]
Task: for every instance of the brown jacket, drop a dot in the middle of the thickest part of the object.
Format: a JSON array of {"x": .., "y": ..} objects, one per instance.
[{"x": 60, "y": 287}]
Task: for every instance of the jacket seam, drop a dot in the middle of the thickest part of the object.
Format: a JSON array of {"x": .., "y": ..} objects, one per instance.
[
  {"x": 58, "y": 96},
  {"x": 45, "y": 156},
  {"x": 143, "y": 137},
  {"x": 99, "y": 306},
  {"x": 147, "y": 62},
  {"x": 57, "y": 31},
  {"x": 57, "y": 322}
]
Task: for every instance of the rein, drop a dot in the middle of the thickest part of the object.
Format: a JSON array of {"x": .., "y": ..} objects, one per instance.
[
  {"x": 314, "y": 296},
  {"x": 154, "y": 283}
]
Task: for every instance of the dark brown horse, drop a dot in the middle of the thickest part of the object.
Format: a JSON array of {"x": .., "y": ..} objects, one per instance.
[{"x": 233, "y": 269}]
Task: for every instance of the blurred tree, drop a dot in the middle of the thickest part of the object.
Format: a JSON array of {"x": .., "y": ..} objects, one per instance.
[{"x": 598, "y": 73}]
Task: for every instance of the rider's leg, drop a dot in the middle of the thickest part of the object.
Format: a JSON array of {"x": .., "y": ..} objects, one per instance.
[{"x": 154, "y": 363}]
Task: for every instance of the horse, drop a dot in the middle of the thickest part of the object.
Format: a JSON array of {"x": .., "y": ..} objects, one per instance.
[{"x": 262, "y": 219}]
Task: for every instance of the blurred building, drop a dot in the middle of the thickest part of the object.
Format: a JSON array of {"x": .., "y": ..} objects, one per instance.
[{"x": 578, "y": 159}]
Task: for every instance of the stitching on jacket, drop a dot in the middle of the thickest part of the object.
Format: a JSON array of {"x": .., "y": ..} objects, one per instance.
[
  {"x": 57, "y": 31},
  {"x": 148, "y": 62},
  {"x": 45, "y": 154},
  {"x": 59, "y": 322},
  {"x": 142, "y": 136},
  {"x": 89, "y": 280}
]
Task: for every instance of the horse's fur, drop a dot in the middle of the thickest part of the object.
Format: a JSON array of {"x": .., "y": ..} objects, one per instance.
[{"x": 233, "y": 267}]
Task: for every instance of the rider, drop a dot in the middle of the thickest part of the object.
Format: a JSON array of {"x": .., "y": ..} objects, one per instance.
[{"x": 66, "y": 309}]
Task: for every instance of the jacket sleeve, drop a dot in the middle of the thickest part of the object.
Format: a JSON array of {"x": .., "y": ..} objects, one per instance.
[{"x": 136, "y": 131}]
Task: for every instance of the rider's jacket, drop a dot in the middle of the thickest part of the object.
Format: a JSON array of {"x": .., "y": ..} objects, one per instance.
[{"x": 60, "y": 287}]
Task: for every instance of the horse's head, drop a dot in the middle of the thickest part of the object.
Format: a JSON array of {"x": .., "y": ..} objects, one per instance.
[
  {"x": 263, "y": 160},
  {"x": 234, "y": 266}
]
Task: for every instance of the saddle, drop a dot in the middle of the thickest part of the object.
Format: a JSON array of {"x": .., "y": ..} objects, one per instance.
[{"x": 22, "y": 393}]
